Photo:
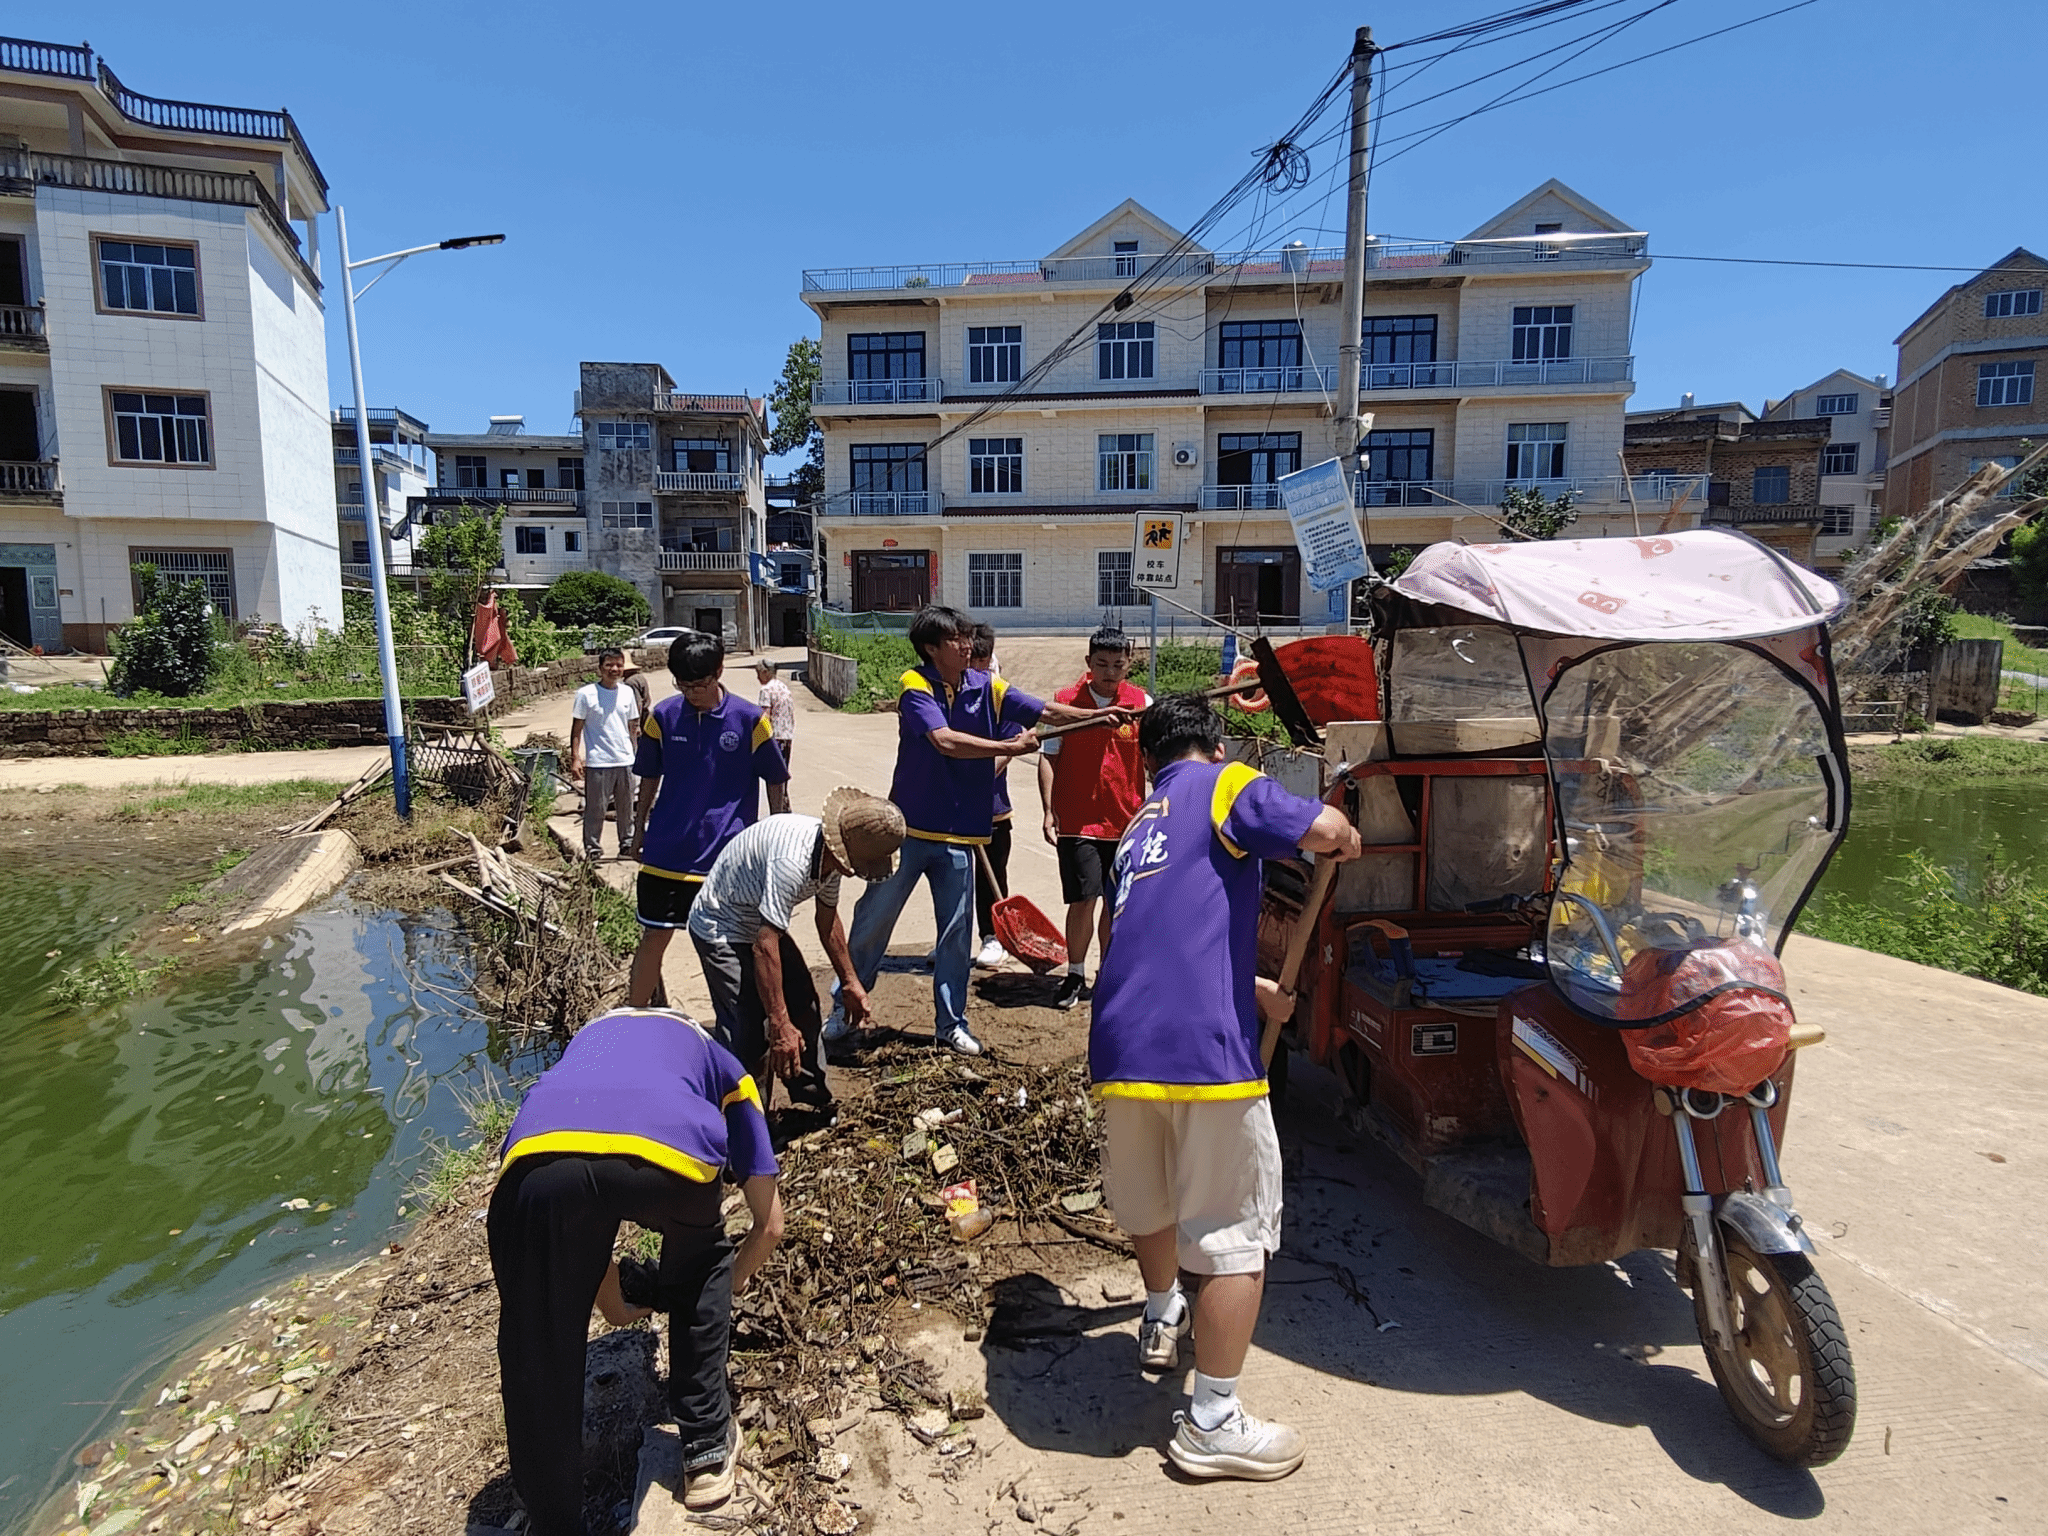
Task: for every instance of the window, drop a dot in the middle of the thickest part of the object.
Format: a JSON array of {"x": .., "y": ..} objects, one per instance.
[
  {"x": 701, "y": 456},
  {"x": 1126, "y": 258},
  {"x": 159, "y": 429},
  {"x": 888, "y": 466},
  {"x": 149, "y": 279},
  {"x": 995, "y": 465},
  {"x": 995, "y": 354},
  {"x": 1124, "y": 350},
  {"x": 529, "y": 541},
  {"x": 1256, "y": 458},
  {"x": 1837, "y": 522},
  {"x": 359, "y": 552},
  {"x": 887, "y": 355},
  {"x": 508, "y": 479},
  {"x": 470, "y": 474},
  {"x": 1542, "y": 332},
  {"x": 572, "y": 542},
  {"x": 1835, "y": 405},
  {"x": 789, "y": 575},
  {"x": 2016, "y": 301},
  {"x": 1258, "y": 344},
  {"x": 1396, "y": 465},
  {"x": 214, "y": 567},
  {"x": 1113, "y": 580},
  {"x": 995, "y": 581},
  {"x": 1839, "y": 458},
  {"x": 618, "y": 436},
  {"x": 1123, "y": 461},
  {"x": 569, "y": 474},
  {"x": 626, "y": 514},
  {"x": 1771, "y": 485},
  {"x": 1536, "y": 450},
  {"x": 2005, "y": 383},
  {"x": 1391, "y": 340}
]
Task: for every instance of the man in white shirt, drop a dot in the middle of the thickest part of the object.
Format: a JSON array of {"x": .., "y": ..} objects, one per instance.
[{"x": 603, "y": 726}]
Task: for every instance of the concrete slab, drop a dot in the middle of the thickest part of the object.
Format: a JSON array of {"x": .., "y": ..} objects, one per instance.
[{"x": 280, "y": 878}]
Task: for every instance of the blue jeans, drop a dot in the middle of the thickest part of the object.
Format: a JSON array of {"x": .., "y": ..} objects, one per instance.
[{"x": 950, "y": 868}]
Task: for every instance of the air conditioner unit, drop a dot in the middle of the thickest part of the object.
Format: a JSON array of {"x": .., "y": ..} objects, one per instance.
[{"x": 1186, "y": 455}]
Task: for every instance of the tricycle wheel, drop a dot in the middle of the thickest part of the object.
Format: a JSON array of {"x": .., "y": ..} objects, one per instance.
[{"x": 1788, "y": 1379}]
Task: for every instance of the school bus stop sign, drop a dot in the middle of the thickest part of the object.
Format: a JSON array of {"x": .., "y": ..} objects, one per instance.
[{"x": 1155, "y": 552}]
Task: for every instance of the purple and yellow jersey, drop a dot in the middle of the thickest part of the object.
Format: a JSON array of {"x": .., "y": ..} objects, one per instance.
[
  {"x": 711, "y": 764},
  {"x": 952, "y": 799},
  {"x": 651, "y": 1084},
  {"x": 1175, "y": 1014}
]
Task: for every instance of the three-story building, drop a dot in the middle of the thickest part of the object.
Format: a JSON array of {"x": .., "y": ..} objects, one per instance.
[
  {"x": 537, "y": 478},
  {"x": 991, "y": 428},
  {"x": 1853, "y": 459},
  {"x": 400, "y": 472}
]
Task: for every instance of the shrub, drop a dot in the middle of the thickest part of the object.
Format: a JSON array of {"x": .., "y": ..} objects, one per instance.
[
  {"x": 169, "y": 649},
  {"x": 883, "y": 658},
  {"x": 1524, "y": 509},
  {"x": 1996, "y": 929},
  {"x": 593, "y": 599}
]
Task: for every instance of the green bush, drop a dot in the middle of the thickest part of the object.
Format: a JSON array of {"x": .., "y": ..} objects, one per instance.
[
  {"x": 1196, "y": 668},
  {"x": 883, "y": 659},
  {"x": 593, "y": 599},
  {"x": 1995, "y": 928},
  {"x": 169, "y": 649}
]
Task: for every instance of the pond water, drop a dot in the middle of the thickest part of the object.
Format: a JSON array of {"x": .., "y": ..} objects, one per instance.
[
  {"x": 1957, "y": 824},
  {"x": 147, "y": 1148}
]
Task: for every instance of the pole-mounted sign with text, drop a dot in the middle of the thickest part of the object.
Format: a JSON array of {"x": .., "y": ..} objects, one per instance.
[
  {"x": 1155, "y": 551},
  {"x": 1325, "y": 525}
]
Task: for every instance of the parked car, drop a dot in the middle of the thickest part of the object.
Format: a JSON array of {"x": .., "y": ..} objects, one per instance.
[{"x": 662, "y": 638}]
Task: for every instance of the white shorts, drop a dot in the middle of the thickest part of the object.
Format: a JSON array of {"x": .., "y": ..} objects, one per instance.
[{"x": 1210, "y": 1168}]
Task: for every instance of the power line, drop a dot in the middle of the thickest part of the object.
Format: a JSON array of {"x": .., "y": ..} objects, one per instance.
[
  {"x": 1791, "y": 261},
  {"x": 1494, "y": 23}
]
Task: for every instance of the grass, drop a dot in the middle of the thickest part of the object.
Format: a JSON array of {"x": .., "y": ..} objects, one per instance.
[
  {"x": 1950, "y": 760},
  {"x": 1994, "y": 926},
  {"x": 156, "y": 744},
  {"x": 450, "y": 1164},
  {"x": 882, "y": 659},
  {"x": 618, "y": 920},
  {"x": 195, "y": 890},
  {"x": 108, "y": 978},
  {"x": 2017, "y": 658},
  {"x": 214, "y": 798}
]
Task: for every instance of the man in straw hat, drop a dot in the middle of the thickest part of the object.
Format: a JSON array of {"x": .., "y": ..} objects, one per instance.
[{"x": 767, "y": 1009}]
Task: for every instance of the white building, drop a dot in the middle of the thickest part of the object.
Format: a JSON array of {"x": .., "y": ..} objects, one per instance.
[
  {"x": 162, "y": 352},
  {"x": 991, "y": 428},
  {"x": 1852, "y": 464},
  {"x": 537, "y": 479},
  {"x": 398, "y": 445}
]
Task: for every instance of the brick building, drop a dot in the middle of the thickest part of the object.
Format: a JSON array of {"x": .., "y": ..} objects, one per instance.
[
  {"x": 1966, "y": 390},
  {"x": 1762, "y": 477}
]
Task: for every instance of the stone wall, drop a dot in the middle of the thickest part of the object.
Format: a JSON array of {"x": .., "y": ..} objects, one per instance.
[
  {"x": 831, "y": 678},
  {"x": 263, "y": 725}
]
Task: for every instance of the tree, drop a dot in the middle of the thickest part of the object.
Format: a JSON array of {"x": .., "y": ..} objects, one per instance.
[
  {"x": 1525, "y": 510},
  {"x": 462, "y": 548},
  {"x": 1928, "y": 620},
  {"x": 593, "y": 600},
  {"x": 794, "y": 427},
  {"x": 2030, "y": 542},
  {"x": 169, "y": 649}
]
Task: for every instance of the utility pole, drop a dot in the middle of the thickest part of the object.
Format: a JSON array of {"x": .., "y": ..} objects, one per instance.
[{"x": 1348, "y": 427}]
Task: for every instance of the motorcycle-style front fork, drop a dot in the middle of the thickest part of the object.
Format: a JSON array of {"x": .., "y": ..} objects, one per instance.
[{"x": 1780, "y": 1229}]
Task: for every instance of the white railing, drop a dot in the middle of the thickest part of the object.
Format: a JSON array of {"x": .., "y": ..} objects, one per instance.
[
  {"x": 519, "y": 566},
  {"x": 1448, "y": 495},
  {"x": 1240, "y": 498},
  {"x": 359, "y": 570},
  {"x": 702, "y": 560},
  {"x": 1266, "y": 381},
  {"x": 878, "y": 392},
  {"x": 1498, "y": 374},
  {"x": 30, "y": 477},
  {"x": 883, "y": 504},
  {"x": 704, "y": 480},
  {"x": 21, "y": 322},
  {"x": 682, "y": 403},
  {"x": 348, "y": 458}
]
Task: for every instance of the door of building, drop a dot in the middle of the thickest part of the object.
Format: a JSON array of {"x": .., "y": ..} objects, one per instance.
[
  {"x": 1258, "y": 586},
  {"x": 15, "y": 622},
  {"x": 708, "y": 621},
  {"x": 891, "y": 580},
  {"x": 18, "y": 438}
]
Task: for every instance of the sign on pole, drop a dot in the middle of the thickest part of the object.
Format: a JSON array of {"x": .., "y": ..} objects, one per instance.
[
  {"x": 1325, "y": 525},
  {"x": 477, "y": 688},
  {"x": 1155, "y": 551}
]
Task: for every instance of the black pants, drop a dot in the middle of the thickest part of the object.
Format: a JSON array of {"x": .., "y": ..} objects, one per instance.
[
  {"x": 740, "y": 1018},
  {"x": 553, "y": 1220},
  {"x": 986, "y": 895}
]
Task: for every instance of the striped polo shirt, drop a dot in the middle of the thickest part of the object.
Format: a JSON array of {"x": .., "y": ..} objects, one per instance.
[
  {"x": 647, "y": 1083},
  {"x": 763, "y": 875},
  {"x": 952, "y": 799},
  {"x": 711, "y": 764},
  {"x": 1175, "y": 1014}
]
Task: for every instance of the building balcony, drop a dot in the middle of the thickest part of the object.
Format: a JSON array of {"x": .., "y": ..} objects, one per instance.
[
  {"x": 687, "y": 482},
  {"x": 878, "y": 392},
  {"x": 1240, "y": 498},
  {"x": 390, "y": 458},
  {"x": 514, "y": 496},
  {"x": 1486, "y": 495},
  {"x": 528, "y": 568},
  {"x": 1499, "y": 374},
  {"x": 919, "y": 504},
  {"x": 35, "y": 478},
  {"x": 1267, "y": 381},
  {"x": 21, "y": 328},
  {"x": 1797, "y": 512},
  {"x": 724, "y": 562},
  {"x": 396, "y": 570}
]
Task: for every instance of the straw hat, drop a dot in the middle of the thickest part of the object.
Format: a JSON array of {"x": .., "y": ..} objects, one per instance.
[{"x": 863, "y": 831}]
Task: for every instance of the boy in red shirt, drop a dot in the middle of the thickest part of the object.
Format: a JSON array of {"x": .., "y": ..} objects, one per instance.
[{"x": 1091, "y": 784}]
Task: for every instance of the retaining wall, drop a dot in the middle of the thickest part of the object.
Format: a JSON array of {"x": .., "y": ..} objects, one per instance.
[{"x": 832, "y": 678}]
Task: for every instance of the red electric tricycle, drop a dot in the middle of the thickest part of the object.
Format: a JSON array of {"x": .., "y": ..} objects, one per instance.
[{"x": 1609, "y": 773}]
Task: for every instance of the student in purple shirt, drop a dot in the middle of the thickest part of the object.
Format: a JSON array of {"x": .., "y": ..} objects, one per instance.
[
  {"x": 950, "y": 723},
  {"x": 1192, "y": 1169}
]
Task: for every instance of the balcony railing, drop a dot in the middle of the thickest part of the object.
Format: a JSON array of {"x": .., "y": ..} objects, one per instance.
[
  {"x": 348, "y": 458},
  {"x": 33, "y": 58},
  {"x": 1240, "y": 498},
  {"x": 686, "y": 481},
  {"x": 235, "y": 188},
  {"x": 680, "y": 403},
  {"x": 360, "y": 569},
  {"x": 719, "y": 560},
  {"x": 494, "y": 495},
  {"x": 1266, "y": 381},
  {"x": 1797, "y": 512},
  {"x": 884, "y": 504},
  {"x": 519, "y": 567},
  {"x": 22, "y": 323},
  {"x": 33, "y": 477},
  {"x": 191, "y": 116},
  {"x": 1449, "y": 495},
  {"x": 878, "y": 392},
  {"x": 1499, "y": 374}
]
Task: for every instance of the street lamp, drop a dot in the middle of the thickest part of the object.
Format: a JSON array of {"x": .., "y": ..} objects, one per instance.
[{"x": 373, "y": 500}]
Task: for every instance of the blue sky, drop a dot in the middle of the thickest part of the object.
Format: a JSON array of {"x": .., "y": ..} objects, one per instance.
[{"x": 663, "y": 173}]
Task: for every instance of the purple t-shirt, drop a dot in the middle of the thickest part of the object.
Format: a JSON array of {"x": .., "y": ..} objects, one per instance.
[
  {"x": 1175, "y": 1014},
  {"x": 952, "y": 799},
  {"x": 711, "y": 764}
]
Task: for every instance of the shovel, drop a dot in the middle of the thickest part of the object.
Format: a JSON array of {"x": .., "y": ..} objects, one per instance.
[{"x": 1021, "y": 928}]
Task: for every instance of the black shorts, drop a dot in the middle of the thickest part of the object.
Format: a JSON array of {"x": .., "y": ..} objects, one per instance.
[
  {"x": 1084, "y": 867},
  {"x": 665, "y": 901}
]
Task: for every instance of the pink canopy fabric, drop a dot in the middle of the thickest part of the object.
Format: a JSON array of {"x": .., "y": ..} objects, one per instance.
[{"x": 1702, "y": 584}]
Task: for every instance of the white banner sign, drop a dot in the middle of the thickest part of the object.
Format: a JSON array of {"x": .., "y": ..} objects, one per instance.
[
  {"x": 477, "y": 688},
  {"x": 1325, "y": 525},
  {"x": 1155, "y": 551}
]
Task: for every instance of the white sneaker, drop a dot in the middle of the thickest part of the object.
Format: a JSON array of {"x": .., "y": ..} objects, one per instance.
[
  {"x": 836, "y": 1027},
  {"x": 1159, "y": 1340},
  {"x": 1241, "y": 1446},
  {"x": 992, "y": 954},
  {"x": 960, "y": 1040}
]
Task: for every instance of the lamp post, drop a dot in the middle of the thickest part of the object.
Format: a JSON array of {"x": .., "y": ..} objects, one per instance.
[{"x": 373, "y": 499}]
